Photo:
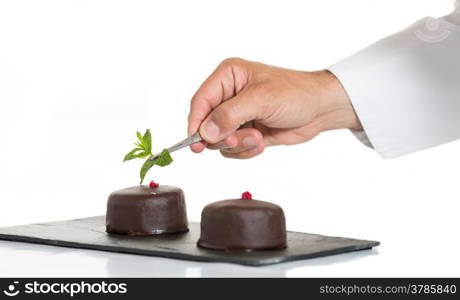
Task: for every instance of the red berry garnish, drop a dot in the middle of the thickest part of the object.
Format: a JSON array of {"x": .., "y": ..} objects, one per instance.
[
  {"x": 246, "y": 196},
  {"x": 153, "y": 184}
]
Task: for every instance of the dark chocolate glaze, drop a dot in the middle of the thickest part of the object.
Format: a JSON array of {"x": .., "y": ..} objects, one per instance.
[
  {"x": 239, "y": 224},
  {"x": 141, "y": 210}
]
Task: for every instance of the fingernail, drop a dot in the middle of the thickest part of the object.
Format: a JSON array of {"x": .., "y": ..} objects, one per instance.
[
  {"x": 249, "y": 142},
  {"x": 211, "y": 130}
]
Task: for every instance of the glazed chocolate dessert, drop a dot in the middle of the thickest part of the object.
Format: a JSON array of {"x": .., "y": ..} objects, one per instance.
[
  {"x": 146, "y": 210},
  {"x": 242, "y": 224}
]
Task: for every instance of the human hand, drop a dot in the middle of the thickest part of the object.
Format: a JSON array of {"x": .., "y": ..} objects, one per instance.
[{"x": 245, "y": 106}]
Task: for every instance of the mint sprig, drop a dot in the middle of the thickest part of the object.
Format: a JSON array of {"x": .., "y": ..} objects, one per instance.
[{"x": 144, "y": 149}]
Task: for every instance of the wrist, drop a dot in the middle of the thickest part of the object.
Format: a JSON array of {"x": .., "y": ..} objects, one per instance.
[{"x": 335, "y": 108}]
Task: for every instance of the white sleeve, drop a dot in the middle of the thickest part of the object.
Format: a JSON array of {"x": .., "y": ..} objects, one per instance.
[{"x": 405, "y": 88}]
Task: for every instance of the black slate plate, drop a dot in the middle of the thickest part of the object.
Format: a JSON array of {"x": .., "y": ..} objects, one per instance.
[{"x": 89, "y": 233}]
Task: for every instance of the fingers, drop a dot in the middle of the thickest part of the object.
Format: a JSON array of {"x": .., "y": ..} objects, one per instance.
[
  {"x": 244, "y": 143},
  {"x": 198, "y": 147},
  {"x": 240, "y": 141},
  {"x": 243, "y": 155},
  {"x": 228, "y": 143},
  {"x": 225, "y": 82},
  {"x": 226, "y": 118},
  {"x": 211, "y": 93}
]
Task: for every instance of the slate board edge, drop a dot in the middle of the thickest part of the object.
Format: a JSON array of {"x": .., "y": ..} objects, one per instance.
[{"x": 262, "y": 262}]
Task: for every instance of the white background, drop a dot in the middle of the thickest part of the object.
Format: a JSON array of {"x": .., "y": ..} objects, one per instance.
[{"x": 78, "y": 78}]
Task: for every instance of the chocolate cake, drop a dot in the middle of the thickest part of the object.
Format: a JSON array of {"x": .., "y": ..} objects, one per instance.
[
  {"x": 146, "y": 210},
  {"x": 242, "y": 224}
]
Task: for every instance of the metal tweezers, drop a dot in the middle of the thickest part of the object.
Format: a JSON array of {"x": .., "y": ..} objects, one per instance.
[{"x": 193, "y": 139}]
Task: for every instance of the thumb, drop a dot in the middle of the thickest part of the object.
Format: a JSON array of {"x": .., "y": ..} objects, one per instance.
[{"x": 226, "y": 118}]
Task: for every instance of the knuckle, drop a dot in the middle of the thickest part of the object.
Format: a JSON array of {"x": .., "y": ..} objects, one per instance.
[
  {"x": 194, "y": 100},
  {"x": 232, "y": 61},
  {"x": 227, "y": 117},
  {"x": 198, "y": 104}
]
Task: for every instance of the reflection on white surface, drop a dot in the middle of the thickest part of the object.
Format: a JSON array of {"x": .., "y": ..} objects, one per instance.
[{"x": 32, "y": 260}]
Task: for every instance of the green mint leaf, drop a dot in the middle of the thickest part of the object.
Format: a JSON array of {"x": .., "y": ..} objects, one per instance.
[
  {"x": 147, "y": 141},
  {"x": 148, "y": 164},
  {"x": 143, "y": 155},
  {"x": 164, "y": 159},
  {"x": 139, "y": 137},
  {"x": 144, "y": 150},
  {"x": 134, "y": 154}
]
